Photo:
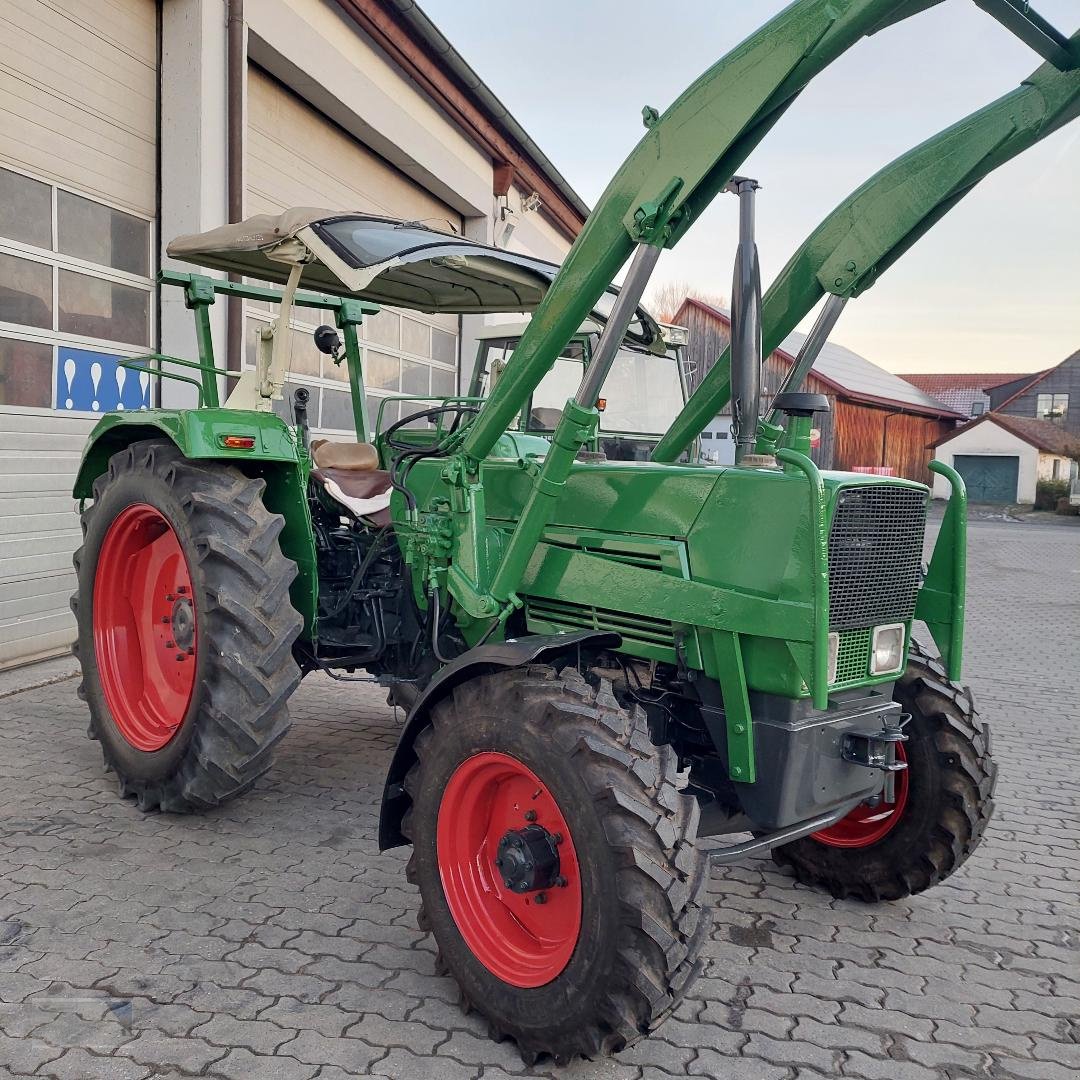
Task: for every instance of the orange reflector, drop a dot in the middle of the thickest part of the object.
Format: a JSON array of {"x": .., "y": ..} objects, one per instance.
[
  {"x": 239, "y": 442},
  {"x": 601, "y": 404}
]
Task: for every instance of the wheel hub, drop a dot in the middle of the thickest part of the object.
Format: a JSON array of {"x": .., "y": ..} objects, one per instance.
[
  {"x": 183, "y": 624},
  {"x": 528, "y": 859}
]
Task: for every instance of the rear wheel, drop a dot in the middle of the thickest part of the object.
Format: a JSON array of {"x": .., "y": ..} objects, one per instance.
[
  {"x": 556, "y": 861},
  {"x": 943, "y": 802},
  {"x": 185, "y": 627}
]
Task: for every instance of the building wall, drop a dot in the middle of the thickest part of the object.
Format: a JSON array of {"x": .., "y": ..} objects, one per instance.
[
  {"x": 987, "y": 438},
  {"x": 78, "y": 185},
  {"x": 1064, "y": 379},
  {"x": 709, "y": 337},
  {"x": 1054, "y": 466},
  {"x": 860, "y": 429}
]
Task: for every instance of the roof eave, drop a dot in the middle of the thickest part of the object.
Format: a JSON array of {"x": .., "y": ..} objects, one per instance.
[{"x": 379, "y": 18}]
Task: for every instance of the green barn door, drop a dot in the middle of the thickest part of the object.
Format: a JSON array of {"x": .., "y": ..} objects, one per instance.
[{"x": 989, "y": 479}]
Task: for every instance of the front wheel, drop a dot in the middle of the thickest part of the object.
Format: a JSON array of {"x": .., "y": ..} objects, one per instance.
[
  {"x": 556, "y": 861},
  {"x": 943, "y": 801}
]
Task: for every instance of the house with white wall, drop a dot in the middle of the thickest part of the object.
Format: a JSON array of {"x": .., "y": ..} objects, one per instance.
[{"x": 1002, "y": 458}]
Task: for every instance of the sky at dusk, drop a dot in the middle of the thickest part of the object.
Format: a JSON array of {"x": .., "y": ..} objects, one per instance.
[{"x": 994, "y": 287}]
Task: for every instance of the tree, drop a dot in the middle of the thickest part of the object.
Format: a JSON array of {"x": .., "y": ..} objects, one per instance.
[{"x": 665, "y": 298}]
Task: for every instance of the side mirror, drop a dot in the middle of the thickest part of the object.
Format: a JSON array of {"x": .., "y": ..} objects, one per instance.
[{"x": 327, "y": 341}]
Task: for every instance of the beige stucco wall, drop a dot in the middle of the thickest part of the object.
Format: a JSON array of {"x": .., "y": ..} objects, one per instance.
[{"x": 1046, "y": 467}]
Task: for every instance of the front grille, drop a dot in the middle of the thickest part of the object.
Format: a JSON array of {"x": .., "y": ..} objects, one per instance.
[
  {"x": 853, "y": 657},
  {"x": 875, "y": 551}
]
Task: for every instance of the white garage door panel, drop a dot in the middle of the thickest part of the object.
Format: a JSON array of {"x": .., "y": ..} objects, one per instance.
[
  {"x": 36, "y": 558},
  {"x": 297, "y": 157},
  {"x": 36, "y": 639},
  {"x": 77, "y": 94},
  {"x": 34, "y": 603},
  {"x": 39, "y": 530}
]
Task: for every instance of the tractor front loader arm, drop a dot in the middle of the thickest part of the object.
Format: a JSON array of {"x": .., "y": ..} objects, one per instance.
[
  {"x": 876, "y": 224},
  {"x": 687, "y": 156}
]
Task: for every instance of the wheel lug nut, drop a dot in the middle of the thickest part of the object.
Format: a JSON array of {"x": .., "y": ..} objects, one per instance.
[
  {"x": 540, "y": 898},
  {"x": 561, "y": 882},
  {"x": 165, "y": 619},
  {"x": 181, "y": 656},
  {"x": 182, "y": 589},
  {"x": 169, "y": 598},
  {"x": 191, "y": 650},
  {"x": 170, "y": 644},
  {"x": 557, "y": 838},
  {"x": 530, "y": 815}
]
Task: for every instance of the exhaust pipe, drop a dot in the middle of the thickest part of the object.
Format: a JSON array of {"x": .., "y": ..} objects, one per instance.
[{"x": 745, "y": 325}]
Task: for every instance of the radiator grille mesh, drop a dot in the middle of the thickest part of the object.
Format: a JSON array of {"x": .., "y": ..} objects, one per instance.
[
  {"x": 853, "y": 657},
  {"x": 875, "y": 551}
]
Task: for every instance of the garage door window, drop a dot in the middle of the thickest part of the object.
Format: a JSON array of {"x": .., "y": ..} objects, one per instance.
[{"x": 76, "y": 297}]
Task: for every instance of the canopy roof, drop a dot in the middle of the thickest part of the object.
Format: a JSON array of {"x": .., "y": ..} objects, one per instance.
[{"x": 387, "y": 261}]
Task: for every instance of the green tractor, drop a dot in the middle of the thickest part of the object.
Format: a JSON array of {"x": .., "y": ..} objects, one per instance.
[{"x": 604, "y": 662}]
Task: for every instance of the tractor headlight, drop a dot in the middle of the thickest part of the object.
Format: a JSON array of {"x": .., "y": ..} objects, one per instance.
[
  {"x": 834, "y": 656},
  {"x": 887, "y": 649}
]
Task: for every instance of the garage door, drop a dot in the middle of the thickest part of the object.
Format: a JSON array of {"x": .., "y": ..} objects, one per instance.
[
  {"x": 78, "y": 86},
  {"x": 989, "y": 478},
  {"x": 297, "y": 157}
]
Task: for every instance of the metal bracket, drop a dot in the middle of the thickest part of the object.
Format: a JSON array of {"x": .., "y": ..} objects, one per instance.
[
  {"x": 736, "y": 852},
  {"x": 1033, "y": 30}
]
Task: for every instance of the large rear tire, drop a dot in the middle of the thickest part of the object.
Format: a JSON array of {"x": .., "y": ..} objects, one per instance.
[
  {"x": 944, "y": 801},
  {"x": 594, "y": 955},
  {"x": 185, "y": 627}
]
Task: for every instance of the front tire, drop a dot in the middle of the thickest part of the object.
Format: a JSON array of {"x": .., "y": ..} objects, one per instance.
[
  {"x": 944, "y": 801},
  {"x": 595, "y": 955},
  {"x": 185, "y": 627}
]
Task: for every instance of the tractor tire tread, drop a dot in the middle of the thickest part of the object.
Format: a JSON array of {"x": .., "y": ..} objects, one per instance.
[
  {"x": 248, "y": 620},
  {"x": 651, "y": 827},
  {"x": 969, "y": 776}
]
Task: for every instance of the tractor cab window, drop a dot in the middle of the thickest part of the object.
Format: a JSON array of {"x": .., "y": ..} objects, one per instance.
[
  {"x": 560, "y": 383},
  {"x": 643, "y": 393}
]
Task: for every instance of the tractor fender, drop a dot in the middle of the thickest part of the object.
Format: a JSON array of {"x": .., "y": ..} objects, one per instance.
[
  {"x": 515, "y": 652},
  {"x": 200, "y": 435}
]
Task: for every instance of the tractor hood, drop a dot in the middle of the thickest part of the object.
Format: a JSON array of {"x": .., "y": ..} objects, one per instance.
[{"x": 404, "y": 264}]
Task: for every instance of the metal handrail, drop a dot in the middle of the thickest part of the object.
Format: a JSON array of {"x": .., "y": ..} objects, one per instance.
[{"x": 819, "y": 565}]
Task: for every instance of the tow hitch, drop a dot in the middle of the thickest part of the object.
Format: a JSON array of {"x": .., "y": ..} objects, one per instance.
[{"x": 876, "y": 749}]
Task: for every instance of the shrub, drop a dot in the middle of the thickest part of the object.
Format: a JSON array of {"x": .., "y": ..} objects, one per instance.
[{"x": 1047, "y": 493}]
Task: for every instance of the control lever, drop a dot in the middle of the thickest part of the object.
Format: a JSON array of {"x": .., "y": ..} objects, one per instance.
[{"x": 299, "y": 406}]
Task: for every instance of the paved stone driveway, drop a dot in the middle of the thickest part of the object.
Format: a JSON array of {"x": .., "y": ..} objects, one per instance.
[{"x": 272, "y": 940}]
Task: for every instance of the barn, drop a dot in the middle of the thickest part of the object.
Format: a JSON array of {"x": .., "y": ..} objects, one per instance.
[{"x": 875, "y": 418}]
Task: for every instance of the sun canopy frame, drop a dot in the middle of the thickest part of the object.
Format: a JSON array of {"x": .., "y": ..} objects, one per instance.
[{"x": 389, "y": 261}]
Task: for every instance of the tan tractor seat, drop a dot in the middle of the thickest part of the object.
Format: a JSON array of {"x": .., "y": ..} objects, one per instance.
[
  {"x": 350, "y": 475},
  {"x": 354, "y": 457}
]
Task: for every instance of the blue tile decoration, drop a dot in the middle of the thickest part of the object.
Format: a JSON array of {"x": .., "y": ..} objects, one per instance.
[{"x": 88, "y": 381}]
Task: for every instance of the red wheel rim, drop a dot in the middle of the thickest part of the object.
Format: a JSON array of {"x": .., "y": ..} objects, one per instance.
[
  {"x": 144, "y": 627},
  {"x": 866, "y": 825},
  {"x": 523, "y": 942}
]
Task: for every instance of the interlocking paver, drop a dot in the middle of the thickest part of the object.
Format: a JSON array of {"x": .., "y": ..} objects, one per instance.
[{"x": 271, "y": 940}]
